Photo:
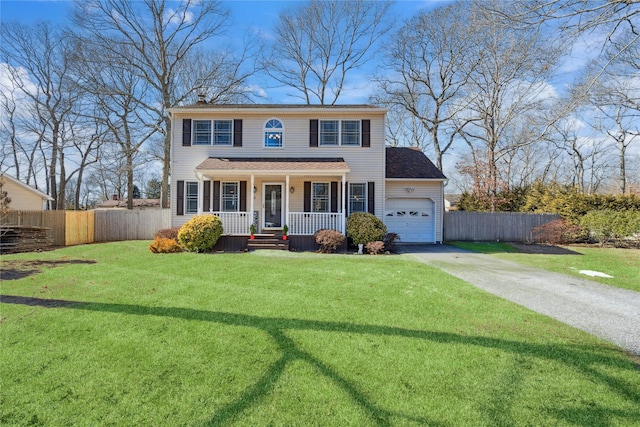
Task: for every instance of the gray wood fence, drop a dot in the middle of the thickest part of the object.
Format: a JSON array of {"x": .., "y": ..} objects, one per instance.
[
  {"x": 492, "y": 226},
  {"x": 137, "y": 224}
]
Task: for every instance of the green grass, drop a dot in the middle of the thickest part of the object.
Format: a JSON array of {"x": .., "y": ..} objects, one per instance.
[
  {"x": 622, "y": 264},
  {"x": 271, "y": 338}
]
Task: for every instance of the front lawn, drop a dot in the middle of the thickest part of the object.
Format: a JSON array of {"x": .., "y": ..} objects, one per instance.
[
  {"x": 622, "y": 264},
  {"x": 111, "y": 334}
]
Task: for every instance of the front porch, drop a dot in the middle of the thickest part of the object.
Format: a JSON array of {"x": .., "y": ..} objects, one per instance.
[
  {"x": 303, "y": 194},
  {"x": 299, "y": 223}
]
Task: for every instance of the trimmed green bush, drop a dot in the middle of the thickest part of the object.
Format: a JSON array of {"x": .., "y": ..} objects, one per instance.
[
  {"x": 364, "y": 227},
  {"x": 200, "y": 233},
  {"x": 609, "y": 226}
]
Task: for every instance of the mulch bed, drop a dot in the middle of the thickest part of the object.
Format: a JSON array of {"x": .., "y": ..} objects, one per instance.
[{"x": 536, "y": 248}]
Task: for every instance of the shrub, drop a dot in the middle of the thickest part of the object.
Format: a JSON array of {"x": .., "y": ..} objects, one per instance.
[
  {"x": 557, "y": 232},
  {"x": 606, "y": 226},
  {"x": 163, "y": 245},
  {"x": 364, "y": 227},
  {"x": 200, "y": 233},
  {"x": 390, "y": 240},
  {"x": 375, "y": 248},
  {"x": 168, "y": 233},
  {"x": 329, "y": 240}
]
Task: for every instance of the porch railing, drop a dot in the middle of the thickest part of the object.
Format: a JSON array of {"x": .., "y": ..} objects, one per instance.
[
  {"x": 300, "y": 223},
  {"x": 234, "y": 222},
  {"x": 307, "y": 223}
]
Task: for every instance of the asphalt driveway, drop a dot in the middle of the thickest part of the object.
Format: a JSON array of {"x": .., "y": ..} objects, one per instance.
[{"x": 604, "y": 311}]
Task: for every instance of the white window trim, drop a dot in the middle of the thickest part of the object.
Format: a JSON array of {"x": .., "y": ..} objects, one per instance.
[
  {"x": 193, "y": 132},
  {"x": 237, "y": 183},
  {"x": 265, "y": 130},
  {"x": 187, "y": 198},
  {"x": 212, "y": 133},
  {"x": 313, "y": 205},
  {"x": 339, "y": 144}
]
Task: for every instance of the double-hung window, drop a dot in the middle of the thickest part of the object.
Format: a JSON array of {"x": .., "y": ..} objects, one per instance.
[
  {"x": 320, "y": 197},
  {"x": 230, "y": 197},
  {"x": 340, "y": 132},
  {"x": 350, "y": 132},
  {"x": 222, "y": 132},
  {"x": 191, "y": 198},
  {"x": 202, "y": 132},
  {"x": 216, "y": 132},
  {"x": 357, "y": 197},
  {"x": 273, "y": 134},
  {"x": 329, "y": 132}
]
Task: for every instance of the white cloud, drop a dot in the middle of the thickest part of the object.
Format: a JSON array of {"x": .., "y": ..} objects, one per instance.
[{"x": 177, "y": 18}]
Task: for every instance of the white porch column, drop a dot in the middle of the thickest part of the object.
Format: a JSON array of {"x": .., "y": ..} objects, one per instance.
[
  {"x": 251, "y": 203},
  {"x": 344, "y": 203},
  {"x": 286, "y": 201},
  {"x": 200, "y": 193}
]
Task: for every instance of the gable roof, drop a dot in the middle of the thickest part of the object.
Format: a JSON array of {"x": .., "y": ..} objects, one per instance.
[
  {"x": 27, "y": 187},
  {"x": 410, "y": 163}
]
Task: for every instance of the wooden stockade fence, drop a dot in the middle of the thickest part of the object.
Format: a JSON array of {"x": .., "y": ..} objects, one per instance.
[
  {"x": 79, "y": 227},
  {"x": 67, "y": 228},
  {"x": 53, "y": 220},
  {"x": 137, "y": 224},
  {"x": 492, "y": 226}
]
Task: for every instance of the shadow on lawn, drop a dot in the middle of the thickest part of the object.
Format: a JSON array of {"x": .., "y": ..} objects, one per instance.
[
  {"x": 17, "y": 269},
  {"x": 583, "y": 359}
]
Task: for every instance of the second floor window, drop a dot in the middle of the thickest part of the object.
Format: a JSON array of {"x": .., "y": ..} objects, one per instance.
[
  {"x": 339, "y": 132},
  {"x": 216, "y": 132},
  {"x": 273, "y": 134}
]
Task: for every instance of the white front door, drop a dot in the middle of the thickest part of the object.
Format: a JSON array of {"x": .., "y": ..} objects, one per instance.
[{"x": 272, "y": 205}]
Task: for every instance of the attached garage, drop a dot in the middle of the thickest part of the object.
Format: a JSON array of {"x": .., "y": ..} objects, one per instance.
[
  {"x": 412, "y": 219},
  {"x": 414, "y": 197}
]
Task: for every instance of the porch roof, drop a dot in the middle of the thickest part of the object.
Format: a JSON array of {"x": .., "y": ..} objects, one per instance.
[{"x": 271, "y": 165}]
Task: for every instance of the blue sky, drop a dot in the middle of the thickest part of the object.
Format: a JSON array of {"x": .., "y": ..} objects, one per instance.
[{"x": 247, "y": 16}]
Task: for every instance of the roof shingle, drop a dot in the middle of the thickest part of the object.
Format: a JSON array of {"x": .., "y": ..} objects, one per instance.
[{"x": 410, "y": 163}]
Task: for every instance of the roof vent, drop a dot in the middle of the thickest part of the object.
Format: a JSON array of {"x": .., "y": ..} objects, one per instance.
[{"x": 201, "y": 99}]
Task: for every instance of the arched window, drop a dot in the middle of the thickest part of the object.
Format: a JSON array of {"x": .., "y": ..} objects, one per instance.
[{"x": 273, "y": 134}]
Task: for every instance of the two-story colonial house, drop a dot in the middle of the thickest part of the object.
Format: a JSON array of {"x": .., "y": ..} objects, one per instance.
[{"x": 308, "y": 167}]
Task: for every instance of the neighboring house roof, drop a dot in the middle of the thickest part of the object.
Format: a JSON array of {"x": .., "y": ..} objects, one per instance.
[
  {"x": 277, "y": 164},
  {"x": 410, "y": 163},
  {"x": 27, "y": 187},
  {"x": 137, "y": 203}
]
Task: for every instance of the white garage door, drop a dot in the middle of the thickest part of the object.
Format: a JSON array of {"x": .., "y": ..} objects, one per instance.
[{"x": 412, "y": 219}]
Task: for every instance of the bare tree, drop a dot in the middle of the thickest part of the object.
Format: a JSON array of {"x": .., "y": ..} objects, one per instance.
[
  {"x": 428, "y": 63},
  {"x": 319, "y": 43},
  {"x": 39, "y": 68},
  {"x": 162, "y": 35},
  {"x": 506, "y": 92}
]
